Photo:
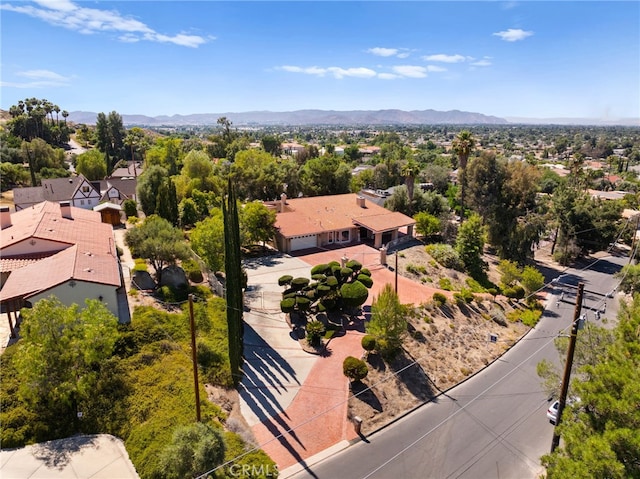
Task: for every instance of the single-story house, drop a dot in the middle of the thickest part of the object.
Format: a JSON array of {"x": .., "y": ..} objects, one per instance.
[
  {"x": 321, "y": 221},
  {"x": 77, "y": 190},
  {"x": 57, "y": 249}
]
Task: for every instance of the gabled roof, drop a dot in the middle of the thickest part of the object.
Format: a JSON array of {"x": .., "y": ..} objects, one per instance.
[
  {"x": 87, "y": 250},
  {"x": 69, "y": 264},
  {"x": 317, "y": 214},
  {"x": 61, "y": 189},
  {"x": 28, "y": 195},
  {"x": 44, "y": 220}
]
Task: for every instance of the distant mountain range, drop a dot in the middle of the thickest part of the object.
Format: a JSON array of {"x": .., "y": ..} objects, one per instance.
[{"x": 307, "y": 117}]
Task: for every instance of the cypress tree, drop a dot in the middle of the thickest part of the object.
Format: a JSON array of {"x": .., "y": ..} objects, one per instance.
[{"x": 233, "y": 270}]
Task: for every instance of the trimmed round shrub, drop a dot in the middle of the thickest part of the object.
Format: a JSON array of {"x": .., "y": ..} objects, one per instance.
[
  {"x": 285, "y": 280},
  {"x": 319, "y": 269},
  {"x": 354, "y": 265},
  {"x": 298, "y": 283},
  {"x": 368, "y": 343},
  {"x": 329, "y": 304},
  {"x": 318, "y": 277},
  {"x": 288, "y": 305},
  {"x": 303, "y": 303},
  {"x": 322, "y": 289},
  {"x": 365, "y": 271},
  {"x": 355, "y": 369},
  {"x": 366, "y": 280},
  {"x": 332, "y": 281},
  {"x": 331, "y": 264},
  {"x": 346, "y": 272},
  {"x": 354, "y": 294}
]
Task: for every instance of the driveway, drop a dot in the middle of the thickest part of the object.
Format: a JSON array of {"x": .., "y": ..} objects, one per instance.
[{"x": 296, "y": 402}]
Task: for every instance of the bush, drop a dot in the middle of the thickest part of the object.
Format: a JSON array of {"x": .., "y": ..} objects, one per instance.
[
  {"x": 366, "y": 280},
  {"x": 354, "y": 294},
  {"x": 285, "y": 280},
  {"x": 368, "y": 343},
  {"x": 298, "y": 283},
  {"x": 354, "y": 265},
  {"x": 440, "y": 299},
  {"x": 130, "y": 208},
  {"x": 320, "y": 269},
  {"x": 315, "y": 330},
  {"x": 445, "y": 255},
  {"x": 192, "y": 270},
  {"x": 288, "y": 305},
  {"x": 445, "y": 283},
  {"x": 355, "y": 369},
  {"x": 139, "y": 265},
  {"x": 516, "y": 292}
]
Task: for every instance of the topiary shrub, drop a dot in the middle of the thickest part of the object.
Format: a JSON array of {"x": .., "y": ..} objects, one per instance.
[
  {"x": 346, "y": 272},
  {"x": 354, "y": 265},
  {"x": 285, "y": 280},
  {"x": 366, "y": 280},
  {"x": 318, "y": 277},
  {"x": 288, "y": 305},
  {"x": 368, "y": 343},
  {"x": 319, "y": 269},
  {"x": 354, "y": 294},
  {"x": 298, "y": 283},
  {"x": 332, "y": 281},
  {"x": 303, "y": 303},
  {"x": 365, "y": 271},
  {"x": 315, "y": 330},
  {"x": 355, "y": 369}
]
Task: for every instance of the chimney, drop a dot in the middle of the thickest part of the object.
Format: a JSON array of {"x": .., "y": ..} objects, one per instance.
[
  {"x": 5, "y": 217},
  {"x": 283, "y": 202},
  {"x": 361, "y": 201},
  {"x": 65, "y": 209}
]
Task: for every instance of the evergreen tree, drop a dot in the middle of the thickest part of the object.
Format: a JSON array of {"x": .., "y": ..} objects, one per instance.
[{"x": 233, "y": 271}]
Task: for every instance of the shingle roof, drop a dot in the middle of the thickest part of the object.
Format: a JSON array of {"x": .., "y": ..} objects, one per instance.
[
  {"x": 330, "y": 213},
  {"x": 28, "y": 195},
  {"x": 61, "y": 189}
]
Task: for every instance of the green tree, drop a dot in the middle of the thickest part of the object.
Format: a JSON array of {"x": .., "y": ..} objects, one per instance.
[
  {"x": 110, "y": 135},
  {"x": 272, "y": 144},
  {"x": 135, "y": 140},
  {"x": 629, "y": 278},
  {"x": 427, "y": 225},
  {"x": 63, "y": 349},
  {"x": 258, "y": 222},
  {"x": 388, "y": 322},
  {"x": 327, "y": 175},
  {"x": 532, "y": 279},
  {"x": 188, "y": 212},
  {"x": 92, "y": 165},
  {"x": 409, "y": 171},
  {"x": 149, "y": 183},
  {"x": 207, "y": 240},
  {"x": 194, "y": 450},
  {"x": 470, "y": 246},
  {"x": 167, "y": 202},
  {"x": 159, "y": 242},
  {"x": 233, "y": 270}
]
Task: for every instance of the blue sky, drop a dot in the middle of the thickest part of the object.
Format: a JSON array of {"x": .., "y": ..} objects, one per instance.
[{"x": 531, "y": 59}]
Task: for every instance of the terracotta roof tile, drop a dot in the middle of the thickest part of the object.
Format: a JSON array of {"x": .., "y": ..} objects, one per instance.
[{"x": 329, "y": 213}]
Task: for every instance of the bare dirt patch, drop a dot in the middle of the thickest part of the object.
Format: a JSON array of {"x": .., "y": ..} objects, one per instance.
[{"x": 444, "y": 345}]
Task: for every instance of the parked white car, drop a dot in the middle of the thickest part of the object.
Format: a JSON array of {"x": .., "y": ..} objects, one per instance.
[{"x": 552, "y": 412}]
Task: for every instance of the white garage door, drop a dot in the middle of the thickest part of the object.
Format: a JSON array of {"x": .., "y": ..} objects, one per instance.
[{"x": 303, "y": 242}]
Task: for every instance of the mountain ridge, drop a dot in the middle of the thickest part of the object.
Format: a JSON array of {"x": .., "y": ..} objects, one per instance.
[{"x": 306, "y": 117}]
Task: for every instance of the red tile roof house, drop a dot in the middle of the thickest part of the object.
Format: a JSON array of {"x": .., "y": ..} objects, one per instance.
[
  {"x": 322, "y": 221},
  {"x": 57, "y": 249}
]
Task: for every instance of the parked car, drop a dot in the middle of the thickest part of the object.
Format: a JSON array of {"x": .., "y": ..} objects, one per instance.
[{"x": 552, "y": 412}]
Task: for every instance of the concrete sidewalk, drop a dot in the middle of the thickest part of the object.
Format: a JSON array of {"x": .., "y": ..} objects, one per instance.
[{"x": 79, "y": 457}]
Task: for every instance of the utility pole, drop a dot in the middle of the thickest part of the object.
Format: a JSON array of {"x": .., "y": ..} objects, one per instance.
[
  {"x": 194, "y": 357},
  {"x": 567, "y": 367}
]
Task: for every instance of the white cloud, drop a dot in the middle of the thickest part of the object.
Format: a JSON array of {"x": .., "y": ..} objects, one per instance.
[
  {"x": 388, "y": 76},
  {"x": 410, "y": 71},
  {"x": 403, "y": 55},
  {"x": 39, "y": 79},
  {"x": 444, "y": 58},
  {"x": 485, "y": 62},
  {"x": 337, "y": 72},
  {"x": 66, "y": 14},
  {"x": 383, "y": 52},
  {"x": 513, "y": 34},
  {"x": 435, "y": 68}
]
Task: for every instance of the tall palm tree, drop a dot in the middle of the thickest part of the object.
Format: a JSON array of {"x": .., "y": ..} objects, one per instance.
[
  {"x": 409, "y": 172},
  {"x": 463, "y": 145}
]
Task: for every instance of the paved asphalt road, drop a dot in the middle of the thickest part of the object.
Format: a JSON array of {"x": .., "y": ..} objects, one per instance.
[{"x": 493, "y": 425}]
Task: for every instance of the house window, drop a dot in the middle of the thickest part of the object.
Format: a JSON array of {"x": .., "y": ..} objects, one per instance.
[
  {"x": 85, "y": 189},
  {"x": 81, "y": 202},
  {"x": 330, "y": 237},
  {"x": 344, "y": 235},
  {"x": 89, "y": 201}
]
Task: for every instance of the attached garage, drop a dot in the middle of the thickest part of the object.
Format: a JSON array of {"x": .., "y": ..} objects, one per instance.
[{"x": 303, "y": 242}]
